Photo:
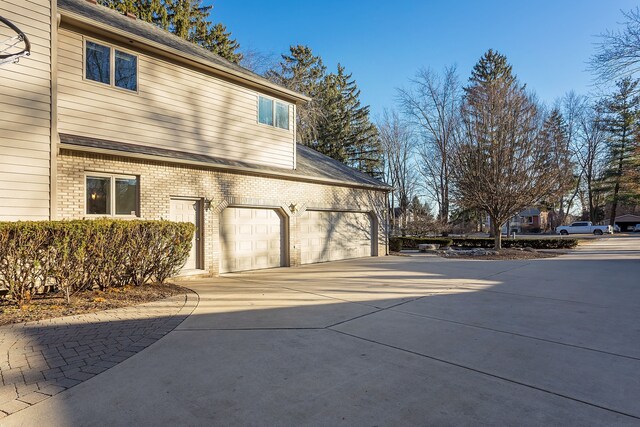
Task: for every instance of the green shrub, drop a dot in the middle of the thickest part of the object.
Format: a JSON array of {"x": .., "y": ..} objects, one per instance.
[
  {"x": 479, "y": 242},
  {"x": 71, "y": 256},
  {"x": 395, "y": 244},
  {"x": 24, "y": 259},
  {"x": 398, "y": 243}
]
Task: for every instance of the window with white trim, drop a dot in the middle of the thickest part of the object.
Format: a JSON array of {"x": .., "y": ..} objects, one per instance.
[
  {"x": 111, "y": 195},
  {"x": 111, "y": 66},
  {"x": 273, "y": 113}
]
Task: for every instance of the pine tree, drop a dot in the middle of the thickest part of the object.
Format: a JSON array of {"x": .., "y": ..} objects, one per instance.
[
  {"x": 346, "y": 133},
  {"x": 303, "y": 72},
  {"x": 188, "y": 19},
  {"x": 621, "y": 125},
  {"x": 491, "y": 68},
  {"x": 218, "y": 40},
  {"x": 334, "y": 122}
]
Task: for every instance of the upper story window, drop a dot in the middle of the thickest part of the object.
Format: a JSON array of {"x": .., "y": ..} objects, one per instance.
[
  {"x": 112, "y": 66},
  {"x": 273, "y": 113},
  {"x": 111, "y": 195}
]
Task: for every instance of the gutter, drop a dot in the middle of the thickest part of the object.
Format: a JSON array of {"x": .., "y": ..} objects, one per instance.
[
  {"x": 83, "y": 22},
  {"x": 226, "y": 168}
]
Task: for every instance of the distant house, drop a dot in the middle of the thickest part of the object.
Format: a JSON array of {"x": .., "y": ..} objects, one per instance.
[
  {"x": 530, "y": 220},
  {"x": 626, "y": 222}
]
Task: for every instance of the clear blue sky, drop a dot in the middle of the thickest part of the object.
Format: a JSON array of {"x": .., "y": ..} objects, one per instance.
[{"x": 384, "y": 43}]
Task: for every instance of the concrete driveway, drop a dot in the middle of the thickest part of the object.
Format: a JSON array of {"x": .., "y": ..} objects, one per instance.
[{"x": 388, "y": 341}]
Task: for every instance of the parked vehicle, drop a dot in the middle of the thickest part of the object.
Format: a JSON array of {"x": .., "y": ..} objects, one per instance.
[
  {"x": 584, "y": 227},
  {"x": 636, "y": 228},
  {"x": 616, "y": 228}
]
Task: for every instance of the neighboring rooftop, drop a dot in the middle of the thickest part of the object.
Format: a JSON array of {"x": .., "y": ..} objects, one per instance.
[
  {"x": 530, "y": 212},
  {"x": 311, "y": 165},
  {"x": 154, "y": 34}
]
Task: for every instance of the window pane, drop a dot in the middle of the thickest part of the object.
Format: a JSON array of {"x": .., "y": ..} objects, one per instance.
[
  {"x": 282, "y": 115},
  {"x": 126, "y": 196},
  {"x": 126, "y": 71},
  {"x": 265, "y": 111},
  {"x": 98, "y": 197},
  {"x": 98, "y": 65}
]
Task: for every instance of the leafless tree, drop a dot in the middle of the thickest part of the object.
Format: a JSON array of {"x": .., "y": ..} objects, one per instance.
[
  {"x": 589, "y": 150},
  {"x": 257, "y": 61},
  {"x": 573, "y": 108},
  {"x": 502, "y": 163},
  {"x": 618, "y": 53},
  {"x": 398, "y": 145},
  {"x": 432, "y": 106}
]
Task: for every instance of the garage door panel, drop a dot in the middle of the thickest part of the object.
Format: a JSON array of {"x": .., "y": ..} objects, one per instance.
[
  {"x": 250, "y": 238},
  {"x": 331, "y": 236}
]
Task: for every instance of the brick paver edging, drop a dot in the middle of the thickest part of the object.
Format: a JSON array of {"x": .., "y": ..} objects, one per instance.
[{"x": 40, "y": 359}]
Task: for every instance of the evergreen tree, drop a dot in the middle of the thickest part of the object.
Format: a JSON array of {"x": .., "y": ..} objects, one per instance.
[
  {"x": 346, "y": 133},
  {"x": 492, "y": 68},
  {"x": 621, "y": 125},
  {"x": 187, "y": 19},
  {"x": 302, "y": 72},
  {"x": 334, "y": 122}
]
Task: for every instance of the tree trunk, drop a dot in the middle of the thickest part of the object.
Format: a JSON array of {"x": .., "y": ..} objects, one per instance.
[
  {"x": 497, "y": 236},
  {"x": 614, "y": 204}
]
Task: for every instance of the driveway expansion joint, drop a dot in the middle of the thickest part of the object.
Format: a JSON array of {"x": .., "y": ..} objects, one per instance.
[{"x": 481, "y": 372}]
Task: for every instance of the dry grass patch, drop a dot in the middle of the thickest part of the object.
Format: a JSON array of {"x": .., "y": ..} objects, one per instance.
[{"x": 54, "y": 305}]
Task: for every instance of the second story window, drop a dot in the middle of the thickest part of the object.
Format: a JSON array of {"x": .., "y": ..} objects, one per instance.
[
  {"x": 108, "y": 65},
  {"x": 273, "y": 113}
]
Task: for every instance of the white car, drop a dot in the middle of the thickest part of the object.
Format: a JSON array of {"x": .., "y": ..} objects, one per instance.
[
  {"x": 636, "y": 228},
  {"x": 616, "y": 228}
]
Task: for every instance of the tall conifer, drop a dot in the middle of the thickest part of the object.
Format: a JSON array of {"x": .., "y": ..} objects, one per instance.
[{"x": 188, "y": 19}]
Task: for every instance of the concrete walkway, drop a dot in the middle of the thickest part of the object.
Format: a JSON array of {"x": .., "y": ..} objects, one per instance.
[{"x": 388, "y": 341}]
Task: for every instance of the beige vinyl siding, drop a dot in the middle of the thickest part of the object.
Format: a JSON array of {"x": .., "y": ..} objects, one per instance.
[
  {"x": 25, "y": 116},
  {"x": 175, "y": 108}
]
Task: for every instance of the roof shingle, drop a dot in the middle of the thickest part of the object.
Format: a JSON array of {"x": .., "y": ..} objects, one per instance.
[{"x": 310, "y": 163}]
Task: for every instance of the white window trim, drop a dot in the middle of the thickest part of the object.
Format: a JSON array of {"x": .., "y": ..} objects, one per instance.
[
  {"x": 112, "y": 65},
  {"x": 112, "y": 195},
  {"x": 274, "y": 101}
]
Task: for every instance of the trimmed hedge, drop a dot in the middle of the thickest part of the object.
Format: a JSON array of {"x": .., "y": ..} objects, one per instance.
[
  {"x": 552, "y": 243},
  {"x": 398, "y": 243},
  {"x": 71, "y": 256}
]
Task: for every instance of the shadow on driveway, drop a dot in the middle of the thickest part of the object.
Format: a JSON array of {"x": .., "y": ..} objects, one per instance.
[{"x": 384, "y": 342}]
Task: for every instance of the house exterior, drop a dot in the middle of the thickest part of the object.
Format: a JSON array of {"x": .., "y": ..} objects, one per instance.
[
  {"x": 530, "y": 220},
  {"x": 112, "y": 117}
]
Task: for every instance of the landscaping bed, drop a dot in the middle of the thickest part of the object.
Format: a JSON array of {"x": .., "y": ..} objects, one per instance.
[
  {"x": 55, "y": 304},
  {"x": 503, "y": 254}
]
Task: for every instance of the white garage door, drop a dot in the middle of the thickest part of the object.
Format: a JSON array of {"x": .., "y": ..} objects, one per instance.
[
  {"x": 331, "y": 236},
  {"x": 250, "y": 239}
]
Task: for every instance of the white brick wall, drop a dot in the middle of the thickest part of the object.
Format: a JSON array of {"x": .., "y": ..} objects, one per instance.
[{"x": 159, "y": 181}]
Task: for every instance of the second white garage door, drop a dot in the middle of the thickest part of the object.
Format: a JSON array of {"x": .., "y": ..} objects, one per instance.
[
  {"x": 250, "y": 239},
  {"x": 331, "y": 236}
]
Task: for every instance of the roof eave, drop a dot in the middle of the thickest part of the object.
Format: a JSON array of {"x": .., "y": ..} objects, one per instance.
[
  {"x": 81, "y": 21},
  {"x": 227, "y": 168}
]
